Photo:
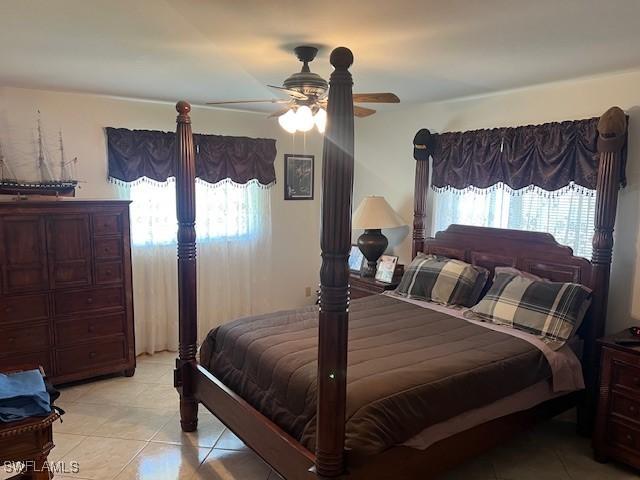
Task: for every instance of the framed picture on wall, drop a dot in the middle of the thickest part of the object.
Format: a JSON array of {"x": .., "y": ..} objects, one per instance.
[
  {"x": 356, "y": 258},
  {"x": 298, "y": 177},
  {"x": 386, "y": 268}
]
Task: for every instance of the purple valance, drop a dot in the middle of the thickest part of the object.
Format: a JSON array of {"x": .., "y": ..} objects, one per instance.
[
  {"x": 549, "y": 156},
  {"x": 134, "y": 154}
]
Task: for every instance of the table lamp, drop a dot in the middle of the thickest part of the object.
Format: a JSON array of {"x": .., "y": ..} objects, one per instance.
[{"x": 374, "y": 214}]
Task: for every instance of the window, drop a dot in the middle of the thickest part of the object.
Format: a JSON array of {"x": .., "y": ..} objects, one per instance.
[
  {"x": 568, "y": 214},
  {"x": 225, "y": 211}
]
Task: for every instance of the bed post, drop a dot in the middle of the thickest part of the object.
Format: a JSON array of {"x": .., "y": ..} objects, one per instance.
[
  {"x": 185, "y": 170},
  {"x": 335, "y": 241},
  {"x": 612, "y": 132},
  {"x": 421, "y": 152}
]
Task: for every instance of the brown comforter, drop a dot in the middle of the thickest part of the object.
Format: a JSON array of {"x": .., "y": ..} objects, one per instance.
[{"x": 409, "y": 368}]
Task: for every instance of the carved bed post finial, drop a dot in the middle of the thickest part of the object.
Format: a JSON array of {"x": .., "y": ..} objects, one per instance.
[
  {"x": 422, "y": 146},
  {"x": 185, "y": 171},
  {"x": 335, "y": 241},
  {"x": 612, "y": 133}
]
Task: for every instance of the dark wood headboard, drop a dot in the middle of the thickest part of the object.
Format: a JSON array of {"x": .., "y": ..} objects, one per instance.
[{"x": 533, "y": 252}]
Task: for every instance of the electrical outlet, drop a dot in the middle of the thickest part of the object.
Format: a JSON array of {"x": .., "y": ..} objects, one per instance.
[{"x": 307, "y": 291}]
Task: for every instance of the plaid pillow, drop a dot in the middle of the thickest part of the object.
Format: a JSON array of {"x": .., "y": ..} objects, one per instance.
[
  {"x": 442, "y": 280},
  {"x": 552, "y": 311}
]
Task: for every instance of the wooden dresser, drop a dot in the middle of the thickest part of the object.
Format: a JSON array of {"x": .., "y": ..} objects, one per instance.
[
  {"x": 617, "y": 434},
  {"x": 66, "y": 298}
]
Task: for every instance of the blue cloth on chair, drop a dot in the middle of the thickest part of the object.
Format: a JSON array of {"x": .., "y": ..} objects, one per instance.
[{"x": 23, "y": 394}]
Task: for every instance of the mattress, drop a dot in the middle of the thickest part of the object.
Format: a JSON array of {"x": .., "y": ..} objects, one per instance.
[{"x": 409, "y": 368}]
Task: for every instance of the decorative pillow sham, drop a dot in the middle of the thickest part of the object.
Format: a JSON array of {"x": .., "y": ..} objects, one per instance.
[
  {"x": 553, "y": 311},
  {"x": 442, "y": 280}
]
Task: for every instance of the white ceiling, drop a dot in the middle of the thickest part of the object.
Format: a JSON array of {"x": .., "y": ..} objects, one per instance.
[{"x": 218, "y": 49}]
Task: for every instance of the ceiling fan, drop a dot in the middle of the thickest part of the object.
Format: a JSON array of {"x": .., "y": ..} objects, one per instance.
[{"x": 308, "y": 94}]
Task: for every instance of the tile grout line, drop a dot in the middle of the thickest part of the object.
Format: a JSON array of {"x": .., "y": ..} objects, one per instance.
[
  {"x": 562, "y": 462},
  {"x": 131, "y": 460}
]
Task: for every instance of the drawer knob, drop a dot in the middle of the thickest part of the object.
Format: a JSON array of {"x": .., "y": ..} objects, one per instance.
[
  {"x": 636, "y": 381},
  {"x": 106, "y": 249},
  {"x": 90, "y": 329},
  {"x": 632, "y": 409},
  {"x": 12, "y": 339},
  {"x": 629, "y": 438},
  {"x": 108, "y": 271},
  {"x": 92, "y": 355},
  {"x": 89, "y": 300}
]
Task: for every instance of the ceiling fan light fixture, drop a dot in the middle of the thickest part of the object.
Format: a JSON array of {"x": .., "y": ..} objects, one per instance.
[
  {"x": 288, "y": 121},
  {"x": 304, "y": 119},
  {"x": 320, "y": 119}
]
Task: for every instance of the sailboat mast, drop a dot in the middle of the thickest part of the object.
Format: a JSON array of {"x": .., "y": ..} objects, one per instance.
[
  {"x": 6, "y": 174},
  {"x": 63, "y": 172},
  {"x": 45, "y": 172},
  {"x": 2, "y": 172},
  {"x": 41, "y": 165}
]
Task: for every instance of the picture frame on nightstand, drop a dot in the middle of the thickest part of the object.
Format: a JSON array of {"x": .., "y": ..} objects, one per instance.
[
  {"x": 386, "y": 268},
  {"x": 356, "y": 259}
]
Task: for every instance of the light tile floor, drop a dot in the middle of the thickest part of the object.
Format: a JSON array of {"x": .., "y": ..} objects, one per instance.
[{"x": 127, "y": 428}]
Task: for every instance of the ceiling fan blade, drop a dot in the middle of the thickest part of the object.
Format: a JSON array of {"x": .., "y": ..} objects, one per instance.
[
  {"x": 279, "y": 112},
  {"x": 358, "y": 111},
  {"x": 362, "y": 111},
  {"x": 228, "y": 102},
  {"x": 375, "y": 98},
  {"x": 293, "y": 93}
]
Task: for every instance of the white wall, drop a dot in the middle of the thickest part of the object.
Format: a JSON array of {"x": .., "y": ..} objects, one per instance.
[
  {"x": 82, "y": 118},
  {"x": 385, "y": 165}
]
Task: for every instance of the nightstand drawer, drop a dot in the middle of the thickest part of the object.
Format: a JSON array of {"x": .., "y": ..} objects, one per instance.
[
  {"x": 624, "y": 437},
  {"x": 625, "y": 407},
  {"x": 626, "y": 376}
]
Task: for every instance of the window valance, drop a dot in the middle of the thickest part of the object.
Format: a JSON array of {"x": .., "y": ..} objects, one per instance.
[
  {"x": 549, "y": 156},
  {"x": 134, "y": 154}
]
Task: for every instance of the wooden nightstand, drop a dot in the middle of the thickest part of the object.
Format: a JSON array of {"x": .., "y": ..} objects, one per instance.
[
  {"x": 365, "y": 286},
  {"x": 617, "y": 434}
]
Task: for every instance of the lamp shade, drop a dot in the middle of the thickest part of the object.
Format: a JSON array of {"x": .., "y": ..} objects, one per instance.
[{"x": 374, "y": 212}]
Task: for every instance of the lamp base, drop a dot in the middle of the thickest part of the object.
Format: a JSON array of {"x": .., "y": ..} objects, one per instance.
[{"x": 372, "y": 243}]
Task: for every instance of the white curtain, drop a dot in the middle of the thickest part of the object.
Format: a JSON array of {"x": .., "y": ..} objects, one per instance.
[
  {"x": 567, "y": 214},
  {"x": 233, "y": 226}
]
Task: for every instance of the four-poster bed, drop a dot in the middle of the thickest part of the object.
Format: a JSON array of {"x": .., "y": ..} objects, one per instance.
[{"x": 536, "y": 253}]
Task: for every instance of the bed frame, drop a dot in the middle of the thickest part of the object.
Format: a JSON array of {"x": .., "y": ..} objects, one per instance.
[{"x": 534, "y": 252}]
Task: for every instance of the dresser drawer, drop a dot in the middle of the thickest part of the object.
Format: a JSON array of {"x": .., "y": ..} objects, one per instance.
[
  {"x": 31, "y": 359},
  {"x": 107, "y": 248},
  {"x": 87, "y": 356},
  {"x": 88, "y": 300},
  {"x": 626, "y": 376},
  {"x": 24, "y": 338},
  {"x": 109, "y": 272},
  {"x": 24, "y": 307},
  {"x": 107, "y": 223},
  {"x": 69, "y": 332},
  {"x": 623, "y": 436}
]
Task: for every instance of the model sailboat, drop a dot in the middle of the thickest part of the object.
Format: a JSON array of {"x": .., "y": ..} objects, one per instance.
[{"x": 46, "y": 184}]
